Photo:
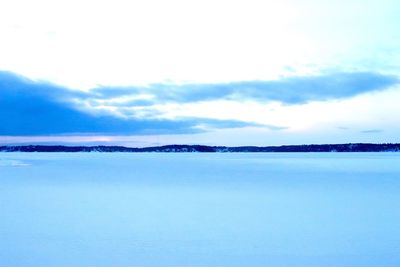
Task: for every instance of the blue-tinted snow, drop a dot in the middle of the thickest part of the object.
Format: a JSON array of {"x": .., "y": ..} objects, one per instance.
[{"x": 93, "y": 209}]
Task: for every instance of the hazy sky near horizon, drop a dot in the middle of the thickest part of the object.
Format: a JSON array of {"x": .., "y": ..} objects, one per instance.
[{"x": 212, "y": 72}]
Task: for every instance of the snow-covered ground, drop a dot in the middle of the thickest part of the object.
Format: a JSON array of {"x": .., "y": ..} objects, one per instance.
[{"x": 190, "y": 210}]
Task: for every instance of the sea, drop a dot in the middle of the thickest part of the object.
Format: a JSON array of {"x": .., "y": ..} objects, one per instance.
[{"x": 200, "y": 209}]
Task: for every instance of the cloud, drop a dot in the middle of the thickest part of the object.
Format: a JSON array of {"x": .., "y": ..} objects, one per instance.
[
  {"x": 289, "y": 90},
  {"x": 343, "y": 128},
  {"x": 372, "y": 131},
  {"x": 39, "y": 108}
]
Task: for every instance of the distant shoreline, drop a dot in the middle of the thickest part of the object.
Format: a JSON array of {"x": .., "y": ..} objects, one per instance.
[{"x": 351, "y": 147}]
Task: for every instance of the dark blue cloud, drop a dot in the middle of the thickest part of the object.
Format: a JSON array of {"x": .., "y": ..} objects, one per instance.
[
  {"x": 290, "y": 90},
  {"x": 38, "y": 108}
]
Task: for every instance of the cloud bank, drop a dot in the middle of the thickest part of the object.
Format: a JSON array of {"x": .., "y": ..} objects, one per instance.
[
  {"x": 38, "y": 108},
  {"x": 290, "y": 90}
]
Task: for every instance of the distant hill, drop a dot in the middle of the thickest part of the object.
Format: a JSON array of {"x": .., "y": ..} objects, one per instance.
[{"x": 360, "y": 147}]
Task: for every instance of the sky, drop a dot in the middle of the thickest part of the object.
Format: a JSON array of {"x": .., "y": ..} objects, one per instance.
[{"x": 237, "y": 72}]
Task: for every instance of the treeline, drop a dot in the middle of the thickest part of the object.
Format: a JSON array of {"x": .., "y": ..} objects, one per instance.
[{"x": 361, "y": 147}]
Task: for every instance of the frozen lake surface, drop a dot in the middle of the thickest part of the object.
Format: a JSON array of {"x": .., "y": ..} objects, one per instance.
[{"x": 191, "y": 210}]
